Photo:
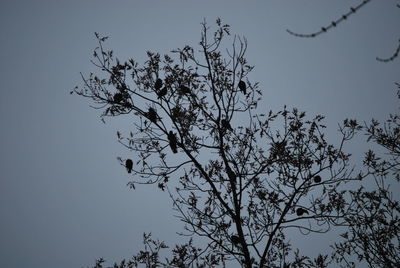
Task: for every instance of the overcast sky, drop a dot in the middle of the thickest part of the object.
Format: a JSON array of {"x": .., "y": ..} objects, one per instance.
[{"x": 63, "y": 195}]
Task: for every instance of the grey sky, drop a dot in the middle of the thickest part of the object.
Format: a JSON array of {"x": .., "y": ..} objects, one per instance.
[{"x": 63, "y": 195}]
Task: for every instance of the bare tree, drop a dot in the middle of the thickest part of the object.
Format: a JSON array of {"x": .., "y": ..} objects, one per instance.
[{"x": 239, "y": 176}]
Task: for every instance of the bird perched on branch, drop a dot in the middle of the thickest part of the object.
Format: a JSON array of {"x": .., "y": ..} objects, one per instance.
[
  {"x": 317, "y": 179},
  {"x": 158, "y": 84},
  {"x": 231, "y": 174},
  {"x": 232, "y": 178},
  {"x": 235, "y": 239},
  {"x": 301, "y": 211},
  {"x": 152, "y": 115},
  {"x": 129, "y": 165},
  {"x": 172, "y": 142},
  {"x": 242, "y": 86},
  {"x": 118, "y": 97},
  {"x": 161, "y": 93}
]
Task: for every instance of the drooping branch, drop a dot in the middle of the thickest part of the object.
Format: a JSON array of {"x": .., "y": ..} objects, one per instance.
[
  {"x": 333, "y": 24},
  {"x": 391, "y": 58},
  {"x": 336, "y": 22}
]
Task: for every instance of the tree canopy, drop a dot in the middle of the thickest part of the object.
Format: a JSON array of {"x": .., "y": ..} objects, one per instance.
[{"x": 241, "y": 176}]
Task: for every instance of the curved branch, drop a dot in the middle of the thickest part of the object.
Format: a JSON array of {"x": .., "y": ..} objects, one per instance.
[{"x": 333, "y": 24}]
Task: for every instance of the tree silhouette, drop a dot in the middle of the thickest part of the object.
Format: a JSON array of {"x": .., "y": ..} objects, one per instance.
[{"x": 243, "y": 187}]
